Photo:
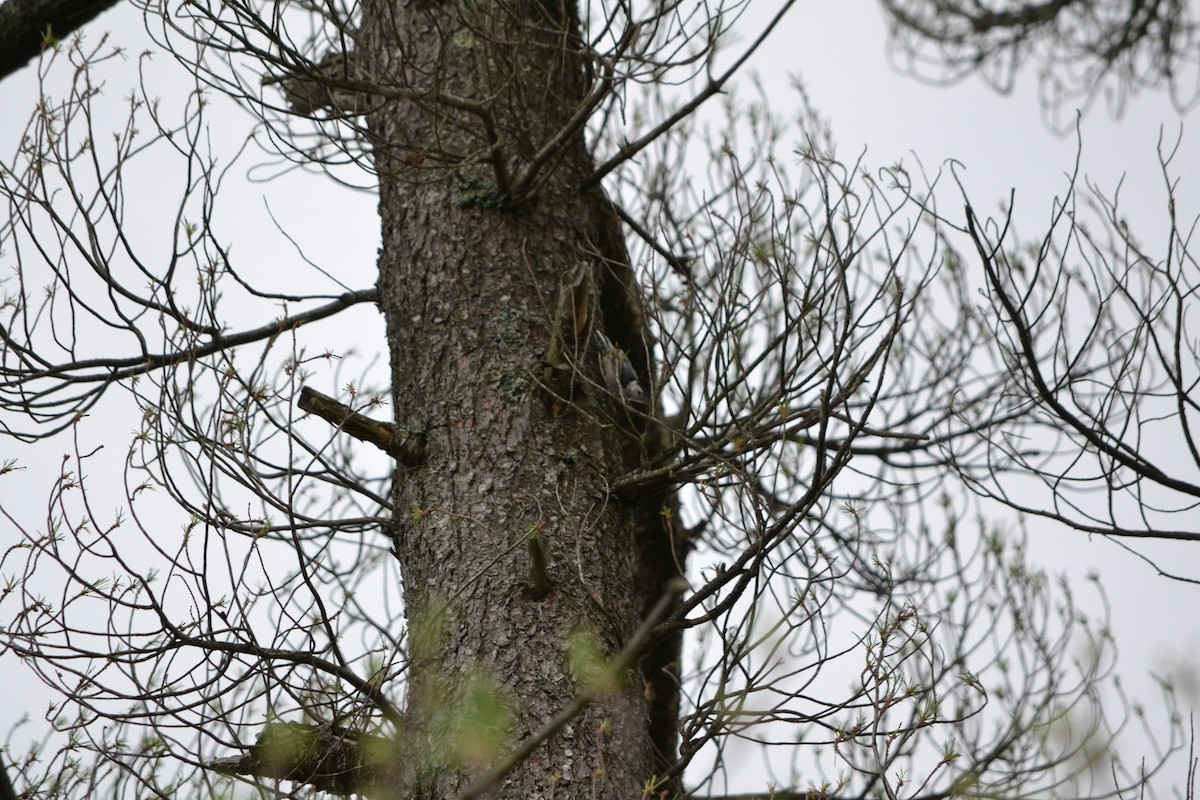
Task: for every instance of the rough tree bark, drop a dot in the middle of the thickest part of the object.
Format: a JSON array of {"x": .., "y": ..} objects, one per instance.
[
  {"x": 26, "y": 26},
  {"x": 470, "y": 274}
]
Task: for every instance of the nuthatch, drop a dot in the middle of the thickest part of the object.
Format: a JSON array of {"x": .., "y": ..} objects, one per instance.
[{"x": 619, "y": 375}]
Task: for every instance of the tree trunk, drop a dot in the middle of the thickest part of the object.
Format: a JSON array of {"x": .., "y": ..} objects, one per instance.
[
  {"x": 469, "y": 281},
  {"x": 29, "y": 26}
]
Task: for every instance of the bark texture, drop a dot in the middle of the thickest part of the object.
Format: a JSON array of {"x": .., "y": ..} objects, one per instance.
[
  {"x": 469, "y": 281},
  {"x": 26, "y": 24}
]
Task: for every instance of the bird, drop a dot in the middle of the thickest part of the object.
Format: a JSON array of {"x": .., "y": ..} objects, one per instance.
[{"x": 619, "y": 375}]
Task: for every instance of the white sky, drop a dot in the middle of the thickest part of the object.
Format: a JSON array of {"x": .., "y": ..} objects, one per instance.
[{"x": 838, "y": 48}]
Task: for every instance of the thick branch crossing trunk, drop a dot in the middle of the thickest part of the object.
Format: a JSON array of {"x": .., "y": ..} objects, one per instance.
[{"x": 29, "y": 26}]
